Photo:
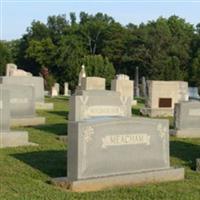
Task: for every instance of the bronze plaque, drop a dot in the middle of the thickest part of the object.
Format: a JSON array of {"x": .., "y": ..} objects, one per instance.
[{"x": 165, "y": 102}]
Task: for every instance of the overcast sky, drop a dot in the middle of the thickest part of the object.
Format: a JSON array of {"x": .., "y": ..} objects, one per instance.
[{"x": 17, "y": 15}]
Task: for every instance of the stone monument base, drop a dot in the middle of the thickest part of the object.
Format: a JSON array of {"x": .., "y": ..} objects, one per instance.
[
  {"x": 141, "y": 178},
  {"x": 188, "y": 133},
  {"x": 14, "y": 139},
  {"x": 44, "y": 106},
  {"x": 157, "y": 112},
  {"x": 29, "y": 121}
]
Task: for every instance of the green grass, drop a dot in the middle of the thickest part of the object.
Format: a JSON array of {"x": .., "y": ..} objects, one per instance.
[{"x": 25, "y": 171}]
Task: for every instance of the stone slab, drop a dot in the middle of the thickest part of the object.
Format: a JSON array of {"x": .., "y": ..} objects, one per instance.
[
  {"x": 14, "y": 139},
  {"x": 165, "y": 175},
  {"x": 97, "y": 103},
  {"x": 33, "y": 121},
  {"x": 44, "y": 106},
  {"x": 36, "y": 82},
  {"x": 188, "y": 133},
  {"x": 158, "y": 112},
  {"x": 102, "y": 146},
  {"x": 22, "y": 100},
  {"x": 198, "y": 164},
  {"x": 93, "y": 83}
]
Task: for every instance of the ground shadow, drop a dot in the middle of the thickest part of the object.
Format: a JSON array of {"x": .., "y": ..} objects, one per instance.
[
  {"x": 60, "y": 113},
  {"x": 185, "y": 151},
  {"x": 57, "y": 129},
  {"x": 52, "y": 163}
]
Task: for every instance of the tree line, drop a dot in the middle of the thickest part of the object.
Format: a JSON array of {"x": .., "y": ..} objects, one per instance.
[{"x": 164, "y": 49}]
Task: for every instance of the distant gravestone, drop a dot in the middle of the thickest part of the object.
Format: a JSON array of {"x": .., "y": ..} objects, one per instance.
[
  {"x": 104, "y": 143},
  {"x": 22, "y": 105},
  {"x": 93, "y": 83},
  {"x": 8, "y": 138},
  {"x": 11, "y": 70},
  {"x": 123, "y": 85},
  {"x": 162, "y": 96},
  {"x": 57, "y": 87},
  {"x": 66, "y": 89},
  {"x": 198, "y": 164},
  {"x": 54, "y": 91},
  {"x": 194, "y": 93},
  {"x": 187, "y": 119}
]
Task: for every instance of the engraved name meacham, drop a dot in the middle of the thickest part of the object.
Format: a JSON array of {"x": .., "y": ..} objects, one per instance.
[
  {"x": 131, "y": 139},
  {"x": 17, "y": 100}
]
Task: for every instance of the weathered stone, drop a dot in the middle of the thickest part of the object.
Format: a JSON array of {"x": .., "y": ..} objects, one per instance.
[
  {"x": 187, "y": 119},
  {"x": 66, "y": 89},
  {"x": 8, "y": 138},
  {"x": 88, "y": 104},
  {"x": 93, "y": 83},
  {"x": 11, "y": 70},
  {"x": 162, "y": 97},
  {"x": 194, "y": 93},
  {"x": 198, "y": 164}
]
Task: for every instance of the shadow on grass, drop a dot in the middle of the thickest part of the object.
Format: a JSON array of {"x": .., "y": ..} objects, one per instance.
[
  {"x": 185, "y": 151},
  {"x": 52, "y": 163},
  {"x": 57, "y": 129},
  {"x": 60, "y": 113},
  {"x": 136, "y": 111}
]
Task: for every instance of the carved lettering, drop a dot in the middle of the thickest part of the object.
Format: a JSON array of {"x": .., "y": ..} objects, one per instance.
[
  {"x": 18, "y": 100},
  {"x": 132, "y": 139}
]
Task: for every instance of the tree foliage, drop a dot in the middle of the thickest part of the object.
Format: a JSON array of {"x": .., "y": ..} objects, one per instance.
[{"x": 165, "y": 49}]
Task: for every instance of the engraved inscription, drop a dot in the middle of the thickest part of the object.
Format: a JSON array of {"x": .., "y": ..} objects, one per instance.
[
  {"x": 194, "y": 112},
  {"x": 118, "y": 140},
  {"x": 17, "y": 100},
  {"x": 93, "y": 111}
]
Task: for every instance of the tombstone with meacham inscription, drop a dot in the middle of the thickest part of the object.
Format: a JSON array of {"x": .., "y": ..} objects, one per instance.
[
  {"x": 9, "y": 138},
  {"x": 107, "y": 147},
  {"x": 187, "y": 119}
]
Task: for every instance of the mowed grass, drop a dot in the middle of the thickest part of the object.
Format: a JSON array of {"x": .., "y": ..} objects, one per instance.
[{"x": 25, "y": 171}]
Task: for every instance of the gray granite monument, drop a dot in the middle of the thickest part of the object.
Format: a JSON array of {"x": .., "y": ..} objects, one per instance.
[
  {"x": 107, "y": 147},
  {"x": 187, "y": 119},
  {"x": 9, "y": 138},
  {"x": 22, "y": 105},
  {"x": 15, "y": 76},
  {"x": 194, "y": 93}
]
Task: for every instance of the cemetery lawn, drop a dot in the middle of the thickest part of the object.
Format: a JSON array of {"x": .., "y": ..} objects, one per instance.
[{"x": 25, "y": 171}]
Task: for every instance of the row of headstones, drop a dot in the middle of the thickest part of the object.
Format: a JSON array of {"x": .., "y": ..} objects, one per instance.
[
  {"x": 104, "y": 141},
  {"x": 21, "y": 95}
]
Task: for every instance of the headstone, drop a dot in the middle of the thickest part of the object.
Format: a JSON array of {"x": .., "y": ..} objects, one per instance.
[
  {"x": 144, "y": 87},
  {"x": 22, "y": 105},
  {"x": 187, "y": 119},
  {"x": 123, "y": 85},
  {"x": 194, "y": 93},
  {"x": 8, "y": 138},
  {"x": 54, "y": 91},
  {"x": 162, "y": 97},
  {"x": 93, "y": 83},
  {"x": 136, "y": 86},
  {"x": 198, "y": 164},
  {"x": 26, "y": 79},
  {"x": 11, "y": 70},
  {"x": 57, "y": 87},
  {"x": 66, "y": 89},
  {"x": 104, "y": 143}
]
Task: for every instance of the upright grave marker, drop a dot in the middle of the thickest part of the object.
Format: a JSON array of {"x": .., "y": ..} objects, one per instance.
[
  {"x": 104, "y": 142},
  {"x": 8, "y": 138}
]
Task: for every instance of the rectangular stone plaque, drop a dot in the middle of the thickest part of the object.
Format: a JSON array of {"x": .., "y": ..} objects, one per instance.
[
  {"x": 36, "y": 82},
  {"x": 22, "y": 100},
  {"x": 90, "y": 104},
  {"x": 111, "y": 146},
  {"x": 187, "y": 115}
]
